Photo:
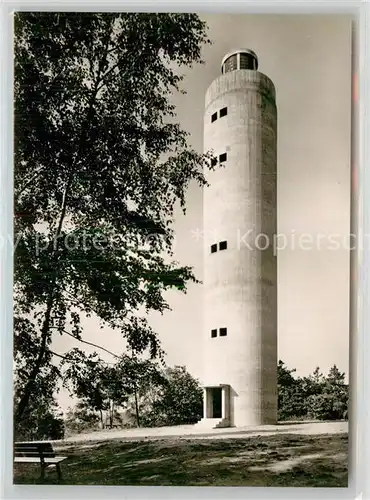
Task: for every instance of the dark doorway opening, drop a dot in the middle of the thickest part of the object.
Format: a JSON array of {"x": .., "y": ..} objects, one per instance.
[{"x": 216, "y": 403}]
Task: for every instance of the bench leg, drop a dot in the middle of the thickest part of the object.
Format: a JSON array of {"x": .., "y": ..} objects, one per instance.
[
  {"x": 42, "y": 476},
  {"x": 59, "y": 471}
]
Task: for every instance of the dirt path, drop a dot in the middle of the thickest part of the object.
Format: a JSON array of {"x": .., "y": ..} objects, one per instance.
[{"x": 196, "y": 432}]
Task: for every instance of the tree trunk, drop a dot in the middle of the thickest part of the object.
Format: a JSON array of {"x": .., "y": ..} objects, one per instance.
[
  {"x": 137, "y": 409},
  {"x": 46, "y": 324},
  {"x": 30, "y": 386},
  {"x": 111, "y": 413}
]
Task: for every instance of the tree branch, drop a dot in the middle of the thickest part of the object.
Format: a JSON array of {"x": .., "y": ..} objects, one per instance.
[
  {"x": 27, "y": 184},
  {"x": 88, "y": 343},
  {"x": 102, "y": 79},
  {"x": 59, "y": 355}
]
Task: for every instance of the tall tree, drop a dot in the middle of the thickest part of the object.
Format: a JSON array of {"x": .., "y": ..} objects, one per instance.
[
  {"x": 105, "y": 388},
  {"x": 314, "y": 396},
  {"x": 100, "y": 164},
  {"x": 141, "y": 376}
]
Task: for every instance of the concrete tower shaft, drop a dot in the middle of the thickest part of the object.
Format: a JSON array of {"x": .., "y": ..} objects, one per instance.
[{"x": 240, "y": 280}]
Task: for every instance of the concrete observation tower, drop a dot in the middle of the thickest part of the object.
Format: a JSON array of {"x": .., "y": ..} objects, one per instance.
[{"x": 240, "y": 268}]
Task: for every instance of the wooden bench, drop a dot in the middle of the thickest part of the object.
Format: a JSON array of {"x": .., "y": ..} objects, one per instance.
[{"x": 38, "y": 452}]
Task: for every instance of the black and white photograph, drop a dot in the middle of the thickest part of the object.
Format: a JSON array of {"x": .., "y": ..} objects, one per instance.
[{"x": 182, "y": 241}]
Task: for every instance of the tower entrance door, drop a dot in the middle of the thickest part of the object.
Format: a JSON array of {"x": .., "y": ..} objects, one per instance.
[{"x": 216, "y": 402}]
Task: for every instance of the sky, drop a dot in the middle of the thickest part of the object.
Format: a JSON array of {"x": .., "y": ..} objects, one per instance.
[{"x": 309, "y": 60}]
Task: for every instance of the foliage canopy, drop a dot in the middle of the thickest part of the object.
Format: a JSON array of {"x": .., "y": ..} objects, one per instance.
[{"x": 100, "y": 164}]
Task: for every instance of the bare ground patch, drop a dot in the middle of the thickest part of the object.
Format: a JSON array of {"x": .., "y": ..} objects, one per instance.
[{"x": 278, "y": 460}]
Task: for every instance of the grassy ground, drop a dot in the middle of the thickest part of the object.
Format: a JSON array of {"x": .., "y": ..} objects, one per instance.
[{"x": 278, "y": 460}]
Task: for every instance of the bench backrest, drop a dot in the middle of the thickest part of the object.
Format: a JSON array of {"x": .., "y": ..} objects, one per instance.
[{"x": 34, "y": 449}]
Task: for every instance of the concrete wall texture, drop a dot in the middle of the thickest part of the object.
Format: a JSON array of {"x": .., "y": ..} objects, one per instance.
[{"x": 240, "y": 283}]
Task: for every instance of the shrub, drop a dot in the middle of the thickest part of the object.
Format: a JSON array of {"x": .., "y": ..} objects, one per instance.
[{"x": 178, "y": 402}]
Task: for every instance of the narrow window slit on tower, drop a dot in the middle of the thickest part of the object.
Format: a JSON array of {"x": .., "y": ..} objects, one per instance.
[
  {"x": 223, "y": 157},
  {"x": 214, "y": 333},
  {"x": 214, "y": 117},
  {"x": 223, "y": 112},
  {"x": 222, "y": 245},
  {"x": 214, "y": 248},
  {"x": 213, "y": 162},
  {"x": 223, "y": 332}
]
